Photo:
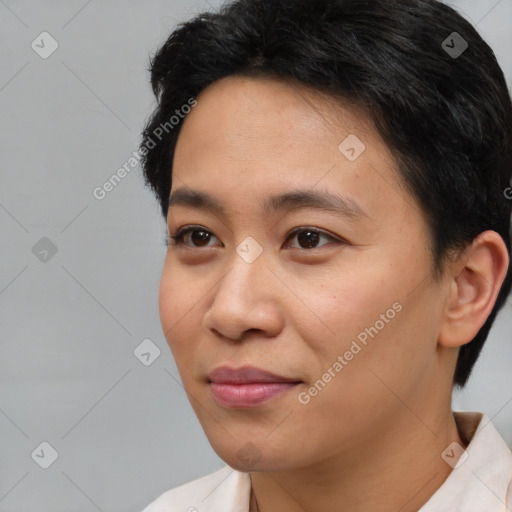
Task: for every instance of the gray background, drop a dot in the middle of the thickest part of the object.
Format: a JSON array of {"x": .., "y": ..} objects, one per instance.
[{"x": 124, "y": 432}]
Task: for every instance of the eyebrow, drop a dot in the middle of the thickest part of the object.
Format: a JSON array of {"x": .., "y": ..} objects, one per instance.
[{"x": 281, "y": 203}]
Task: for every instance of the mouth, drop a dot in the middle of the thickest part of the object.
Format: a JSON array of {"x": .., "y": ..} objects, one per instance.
[{"x": 247, "y": 386}]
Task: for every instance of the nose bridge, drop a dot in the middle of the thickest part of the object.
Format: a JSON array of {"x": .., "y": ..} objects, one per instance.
[
  {"x": 245, "y": 298},
  {"x": 248, "y": 272}
]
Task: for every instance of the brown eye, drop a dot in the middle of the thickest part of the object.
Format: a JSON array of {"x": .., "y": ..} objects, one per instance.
[
  {"x": 309, "y": 238},
  {"x": 200, "y": 237},
  {"x": 192, "y": 237}
]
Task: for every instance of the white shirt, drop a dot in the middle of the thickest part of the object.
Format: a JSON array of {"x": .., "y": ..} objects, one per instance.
[{"x": 480, "y": 482}]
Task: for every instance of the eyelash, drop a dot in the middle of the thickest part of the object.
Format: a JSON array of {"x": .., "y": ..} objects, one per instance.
[{"x": 177, "y": 239}]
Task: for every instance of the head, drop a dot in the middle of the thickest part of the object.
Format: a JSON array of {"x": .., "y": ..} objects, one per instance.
[{"x": 365, "y": 102}]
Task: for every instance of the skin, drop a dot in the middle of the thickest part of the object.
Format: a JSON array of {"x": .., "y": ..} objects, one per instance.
[{"x": 372, "y": 439}]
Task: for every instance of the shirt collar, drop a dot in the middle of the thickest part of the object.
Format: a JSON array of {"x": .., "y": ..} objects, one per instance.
[{"x": 481, "y": 481}]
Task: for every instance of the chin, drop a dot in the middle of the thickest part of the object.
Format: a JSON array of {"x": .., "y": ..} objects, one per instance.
[{"x": 247, "y": 456}]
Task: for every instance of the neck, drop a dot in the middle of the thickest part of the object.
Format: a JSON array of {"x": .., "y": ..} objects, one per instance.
[{"x": 398, "y": 469}]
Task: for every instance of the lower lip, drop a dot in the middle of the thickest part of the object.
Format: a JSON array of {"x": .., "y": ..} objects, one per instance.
[{"x": 248, "y": 395}]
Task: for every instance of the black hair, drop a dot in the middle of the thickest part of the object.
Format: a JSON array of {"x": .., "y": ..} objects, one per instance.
[{"x": 429, "y": 82}]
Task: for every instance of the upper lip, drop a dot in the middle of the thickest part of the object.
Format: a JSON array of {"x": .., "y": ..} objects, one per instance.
[{"x": 245, "y": 375}]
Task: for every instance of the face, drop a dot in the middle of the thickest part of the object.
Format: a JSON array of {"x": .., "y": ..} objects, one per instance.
[{"x": 335, "y": 298}]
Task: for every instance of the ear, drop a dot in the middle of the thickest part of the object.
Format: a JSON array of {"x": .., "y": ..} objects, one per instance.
[{"x": 474, "y": 283}]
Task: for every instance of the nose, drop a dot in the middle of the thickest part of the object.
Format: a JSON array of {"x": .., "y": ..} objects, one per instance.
[{"x": 247, "y": 299}]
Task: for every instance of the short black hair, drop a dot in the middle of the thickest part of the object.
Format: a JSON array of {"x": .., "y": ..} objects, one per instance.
[{"x": 442, "y": 108}]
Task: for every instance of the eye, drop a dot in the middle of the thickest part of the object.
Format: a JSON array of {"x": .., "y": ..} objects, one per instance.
[
  {"x": 308, "y": 238},
  {"x": 199, "y": 236}
]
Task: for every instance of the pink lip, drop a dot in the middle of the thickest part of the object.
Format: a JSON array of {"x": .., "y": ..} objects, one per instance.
[{"x": 247, "y": 386}]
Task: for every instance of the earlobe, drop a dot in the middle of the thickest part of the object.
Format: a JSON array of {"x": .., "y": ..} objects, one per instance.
[{"x": 476, "y": 280}]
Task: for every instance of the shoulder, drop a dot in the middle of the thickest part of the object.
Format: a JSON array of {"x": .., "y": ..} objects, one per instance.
[{"x": 223, "y": 486}]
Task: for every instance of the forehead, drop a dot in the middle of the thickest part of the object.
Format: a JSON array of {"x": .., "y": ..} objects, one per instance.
[
  {"x": 270, "y": 107},
  {"x": 266, "y": 137}
]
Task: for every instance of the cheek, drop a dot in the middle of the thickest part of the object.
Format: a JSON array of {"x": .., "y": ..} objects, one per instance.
[
  {"x": 340, "y": 304},
  {"x": 367, "y": 317},
  {"x": 167, "y": 302},
  {"x": 178, "y": 321},
  {"x": 176, "y": 299}
]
